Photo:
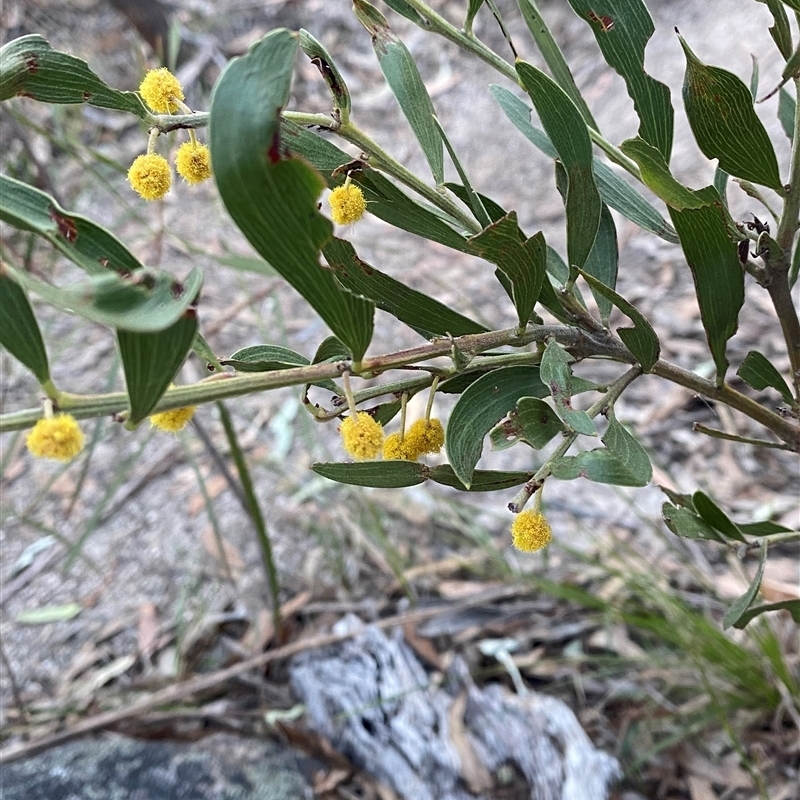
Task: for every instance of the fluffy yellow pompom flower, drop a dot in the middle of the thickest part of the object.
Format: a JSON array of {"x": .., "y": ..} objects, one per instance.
[
  {"x": 174, "y": 420},
  {"x": 362, "y": 436},
  {"x": 530, "y": 531},
  {"x": 426, "y": 436},
  {"x": 347, "y": 204},
  {"x": 396, "y": 448},
  {"x": 150, "y": 176},
  {"x": 160, "y": 89},
  {"x": 56, "y": 437},
  {"x": 193, "y": 162}
]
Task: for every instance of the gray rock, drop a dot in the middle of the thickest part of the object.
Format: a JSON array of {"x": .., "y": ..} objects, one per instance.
[{"x": 112, "y": 767}]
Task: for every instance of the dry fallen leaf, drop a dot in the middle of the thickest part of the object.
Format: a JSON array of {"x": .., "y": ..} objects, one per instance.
[
  {"x": 230, "y": 555},
  {"x": 474, "y": 772},
  {"x": 147, "y": 630}
]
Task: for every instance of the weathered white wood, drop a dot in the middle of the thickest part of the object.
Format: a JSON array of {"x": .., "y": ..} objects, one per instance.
[{"x": 374, "y": 701}]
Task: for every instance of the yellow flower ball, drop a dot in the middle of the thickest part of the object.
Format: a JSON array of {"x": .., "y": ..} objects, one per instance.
[
  {"x": 347, "y": 204},
  {"x": 58, "y": 437},
  {"x": 193, "y": 162},
  {"x": 150, "y": 176},
  {"x": 160, "y": 89},
  {"x": 530, "y": 531},
  {"x": 396, "y": 448},
  {"x": 426, "y": 436},
  {"x": 174, "y": 420},
  {"x": 362, "y": 436}
]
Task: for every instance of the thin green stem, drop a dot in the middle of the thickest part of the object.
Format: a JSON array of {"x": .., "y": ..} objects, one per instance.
[
  {"x": 380, "y": 159},
  {"x": 608, "y": 399}
]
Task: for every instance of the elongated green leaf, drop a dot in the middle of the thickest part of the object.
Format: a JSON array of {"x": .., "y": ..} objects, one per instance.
[
  {"x": 481, "y": 406},
  {"x": 569, "y": 135},
  {"x": 757, "y": 371},
  {"x": 144, "y": 301},
  {"x": 522, "y": 261},
  {"x": 425, "y": 315},
  {"x": 90, "y": 246},
  {"x": 614, "y": 191},
  {"x": 29, "y": 67},
  {"x": 780, "y": 32},
  {"x": 792, "y": 606},
  {"x": 269, "y": 357},
  {"x": 683, "y": 522},
  {"x": 622, "y": 29},
  {"x": 557, "y": 376},
  {"x": 402, "y": 75},
  {"x": 19, "y": 330},
  {"x": 741, "y": 604},
  {"x": 152, "y": 360},
  {"x": 536, "y": 421},
  {"x": 786, "y": 112},
  {"x": 483, "y": 480},
  {"x": 641, "y": 339},
  {"x": 657, "y": 177},
  {"x": 725, "y": 124},
  {"x": 715, "y": 516},
  {"x": 554, "y": 58},
  {"x": 603, "y": 261},
  {"x": 764, "y": 528},
  {"x": 384, "y": 200},
  {"x": 272, "y": 197},
  {"x": 377, "y": 474},
  {"x": 322, "y": 60},
  {"x": 712, "y": 255}
]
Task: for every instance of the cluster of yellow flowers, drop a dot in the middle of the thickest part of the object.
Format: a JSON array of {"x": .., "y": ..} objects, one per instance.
[
  {"x": 150, "y": 174},
  {"x": 60, "y": 438},
  {"x": 363, "y": 438}
]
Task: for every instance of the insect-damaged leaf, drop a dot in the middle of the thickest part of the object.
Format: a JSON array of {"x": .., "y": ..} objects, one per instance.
[
  {"x": 522, "y": 261},
  {"x": 272, "y": 196},
  {"x": 622, "y": 29},
  {"x": 30, "y": 67}
]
